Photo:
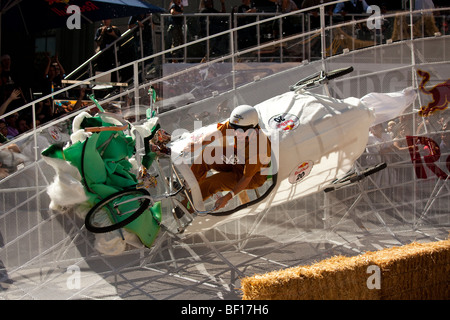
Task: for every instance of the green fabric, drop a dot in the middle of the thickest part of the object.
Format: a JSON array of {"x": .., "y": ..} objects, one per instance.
[
  {"x": 102, "y": 161},
  {"x": 146, "y": 226}
]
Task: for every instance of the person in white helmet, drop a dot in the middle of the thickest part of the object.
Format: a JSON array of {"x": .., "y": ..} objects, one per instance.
[{"x": 238, "y": 166}]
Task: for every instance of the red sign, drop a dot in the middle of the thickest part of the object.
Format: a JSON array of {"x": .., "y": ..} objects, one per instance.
[
  {"x": 87, "y": 6},
  {"x": 433, "y": 153}
]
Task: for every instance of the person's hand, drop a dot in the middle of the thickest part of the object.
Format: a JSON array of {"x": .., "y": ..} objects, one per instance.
[
  {"x": 222, "y": 201},
  {"x": 15, "y": 94}
]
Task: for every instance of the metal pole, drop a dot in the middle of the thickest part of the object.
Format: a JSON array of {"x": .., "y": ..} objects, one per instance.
[{"x": 322, "y": 34}]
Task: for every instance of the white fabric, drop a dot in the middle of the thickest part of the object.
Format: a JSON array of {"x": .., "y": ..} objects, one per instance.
[
  {"x": 329, "y": 136},
  {"x": 66, "y": 189},
  {"x": 388, "y": 106}
]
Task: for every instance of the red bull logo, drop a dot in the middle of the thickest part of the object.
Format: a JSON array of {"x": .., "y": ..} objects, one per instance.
[
  {"x": 440, "y": 94},
  {"x": 300, "y": 172},
  {"x": 284, "y": 122}
]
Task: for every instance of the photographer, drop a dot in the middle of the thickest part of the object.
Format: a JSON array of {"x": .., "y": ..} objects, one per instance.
[{"x": 104, "y": 36}]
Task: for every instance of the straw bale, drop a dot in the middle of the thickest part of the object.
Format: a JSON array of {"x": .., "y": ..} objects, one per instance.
[{"x": 413, "y": 271}]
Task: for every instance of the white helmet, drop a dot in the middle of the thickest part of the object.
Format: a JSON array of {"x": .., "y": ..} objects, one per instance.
[{"x": 244, "y": 116}]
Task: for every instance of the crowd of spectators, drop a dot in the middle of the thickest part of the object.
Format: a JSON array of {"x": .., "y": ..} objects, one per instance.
[{"x": 399, "y": 140}]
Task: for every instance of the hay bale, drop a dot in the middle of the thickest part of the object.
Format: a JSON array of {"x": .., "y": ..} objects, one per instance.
[{"x": 414, "y": 271}]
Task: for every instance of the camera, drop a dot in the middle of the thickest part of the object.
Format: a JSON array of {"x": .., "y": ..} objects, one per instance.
[{"x": 109, "y": 29}]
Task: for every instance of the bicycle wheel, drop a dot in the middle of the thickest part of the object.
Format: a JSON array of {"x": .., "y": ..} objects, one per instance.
[
  {"x": 366, "y": 172},
  {"x": 354, "y": 177},
  {"x": 314, "y": 79},
  {"x": 338, "y": 73},
  {"x": 374, "y": 169},
  {"x": 112, "y": 213}
]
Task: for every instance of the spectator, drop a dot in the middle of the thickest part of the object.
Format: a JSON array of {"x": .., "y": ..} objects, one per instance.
[
  {"x": 3, "y": 131},
  {"x": 81, "y": 97},
  {"x": 15, "y": 94},
  {"x": 175, "y": 30},
  {"x": 11, "y": 122},
  {"x": 352, "y": 6},
  {"x": 223, "y": 111},
  {"x": 246, "y": 37},
  {"x": 390, "y": 128},
  {"x": 22, "y": 125},
  {"x": 380, "y": 145},
  {"x": 400, "y": 131},
  {"x": 289, "y": 23},
  {"x": 53, "y": 75},
  {"x": 207, "y": 6},
  {"x": 265, "y": 5},
  {"x": 9, "y": 83},
  {"x": 312, "y": 3},
  {"x": 104, "y": 36},
  {"x": 44, "y": 111},
  {"x": 218, "y": 45},
  {"x": 145, "y": 28},
  {"x": 287, "y": 6},
  {"x": 445, "y": 138},
  {"x": 246, "y": 7}
]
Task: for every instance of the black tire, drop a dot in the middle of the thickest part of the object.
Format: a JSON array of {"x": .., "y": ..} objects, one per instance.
[
  {"x": 312, "y": 80},
  {"x": 367, "y": 172},
  {"x": 141, "y": 205},
  {"x": 352, "y": 178}
]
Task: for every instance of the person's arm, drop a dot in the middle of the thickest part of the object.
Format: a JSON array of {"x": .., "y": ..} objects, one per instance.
[
  {"x": 79, "y": 102},
  {"x": 241, "y": 185},
  {"x": 205, "y": 140},
  {"x": 61, "y": 69},
  {"x": 133, "y": 21},
  {"x": 14, "y": 96},
  {"x": 47, "y": 68},
  {"x": 115, "y": 32},
  {"x": 99, "y": 38},
  {"x": 175, "y": 12}
]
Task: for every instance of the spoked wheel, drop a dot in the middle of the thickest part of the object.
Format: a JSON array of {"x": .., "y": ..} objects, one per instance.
[
  {"x": 117, "y": 210},
  {"x": 355, "y": 177},
  {"x": 319, "y": 78}
]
